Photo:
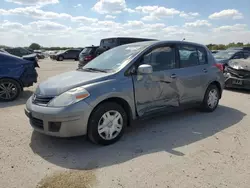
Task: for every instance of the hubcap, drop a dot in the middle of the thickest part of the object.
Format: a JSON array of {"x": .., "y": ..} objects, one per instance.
[
  {"x": 7, "y": 90},
  {"x": 110, "y": 125},
  {"x": 212, "y": 98}
]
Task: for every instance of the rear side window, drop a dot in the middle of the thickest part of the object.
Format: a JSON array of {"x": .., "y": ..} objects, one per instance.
[
  {"x": 162, "y": 58},
  {"x": 192, "y": 56},
  {"x": 202, "y": 55}
]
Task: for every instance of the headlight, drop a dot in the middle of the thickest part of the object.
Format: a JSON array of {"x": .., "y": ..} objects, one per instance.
[
  {"x": 237, "y": 66},
  {"x": 69, "y": 97}
]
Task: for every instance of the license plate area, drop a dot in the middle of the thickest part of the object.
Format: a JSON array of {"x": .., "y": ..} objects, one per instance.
[{"x": 237, "y": 82}]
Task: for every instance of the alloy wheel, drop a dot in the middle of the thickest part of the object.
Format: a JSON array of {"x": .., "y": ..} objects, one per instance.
[{"x": 8, "y": 91}]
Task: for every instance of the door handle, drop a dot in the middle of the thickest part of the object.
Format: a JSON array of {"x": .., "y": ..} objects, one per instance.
[
  {"x": 205, "y": 70},
  {"x": 173, "y": 76}
]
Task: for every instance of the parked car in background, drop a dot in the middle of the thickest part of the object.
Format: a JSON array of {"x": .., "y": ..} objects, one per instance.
[
  {"x": 15, "y": 74},
  {"x": 246, "y": 48},
  {"x": 87, "y": 54},
  {"x": 214, "y": 51},
  {"x": 125, "y": 83},
  {"x": 24, "y": 53},
  {"x": 109, "y": 43},
  {"x": 225, "y": 56},
  {"x": 67, "y": 54},
  {"x": 39, "y": 54},
  {"x": 237, "y": 74}
]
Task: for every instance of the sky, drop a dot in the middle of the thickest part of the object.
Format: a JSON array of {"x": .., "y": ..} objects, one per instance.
[{"x": 79, "y": 23}]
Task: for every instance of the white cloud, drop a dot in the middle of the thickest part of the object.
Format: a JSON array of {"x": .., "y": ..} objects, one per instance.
[
  {"x": 48, "y": 25},
  {"x": 8, "y": 26},
  {"x": 189, "y": 15},
  {"x": 110, "y": 6},
  {"x": 229, "y": 28},
  {"x": 40, "y": 14},
  {"x": 157, "y": 13},
  {"x": 110, "y": 17},
  {"x": 134, "y": 23},
  {"x": 34, "y": 2},
  {"x": 78, "y": 5},
  {"x": 225, "y": 14},
  {"x": 34, "y": 12},
  {"x": 198, "y": 23},
  {"x": 83, "y": 19}
]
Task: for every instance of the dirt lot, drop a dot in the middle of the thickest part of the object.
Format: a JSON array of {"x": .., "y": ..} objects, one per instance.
[{"x": 189, "y": 149}]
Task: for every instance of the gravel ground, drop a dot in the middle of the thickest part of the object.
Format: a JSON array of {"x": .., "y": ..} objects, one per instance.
[{"x": 188, "y": 149}]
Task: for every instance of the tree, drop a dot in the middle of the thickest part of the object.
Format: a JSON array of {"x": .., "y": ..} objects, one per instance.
[{"x": 35, "y": 46}]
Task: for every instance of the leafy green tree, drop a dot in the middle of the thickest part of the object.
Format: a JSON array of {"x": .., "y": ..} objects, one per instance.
[{"x": 35, "y": 46}]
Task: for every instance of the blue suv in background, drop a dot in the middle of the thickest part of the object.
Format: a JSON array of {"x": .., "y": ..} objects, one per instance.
[{"x": 15, "y": 74}]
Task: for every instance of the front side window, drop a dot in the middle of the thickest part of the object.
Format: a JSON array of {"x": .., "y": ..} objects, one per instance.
[{"x": 162, "y": 58}]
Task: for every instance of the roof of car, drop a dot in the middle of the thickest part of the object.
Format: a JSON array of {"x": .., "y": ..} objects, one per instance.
[
  {"x": 170, "y": 42},
  {"x": 91, "y": 47},
  {"x": 127, "y": 38}
]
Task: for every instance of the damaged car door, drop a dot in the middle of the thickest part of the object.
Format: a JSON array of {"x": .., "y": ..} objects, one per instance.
[
  {"x": 158, "y": 89},
  {"x": 193, "y": 74}
]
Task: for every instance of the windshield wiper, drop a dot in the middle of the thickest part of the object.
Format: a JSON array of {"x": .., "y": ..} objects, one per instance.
[{"x": 95, "y": 69}]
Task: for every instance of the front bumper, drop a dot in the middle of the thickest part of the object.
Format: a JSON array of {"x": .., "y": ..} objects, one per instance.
[
  {"x": 235, "y": 82},
  {"x": 60, "y": 122}
]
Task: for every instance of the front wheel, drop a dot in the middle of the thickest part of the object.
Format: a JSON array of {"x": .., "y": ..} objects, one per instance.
[
  {"x": 211, "y": 99},
  {"x": 60, "y": 58},
  {"x": 9, "y": 90},
  {"x": 107, "y": 123}
]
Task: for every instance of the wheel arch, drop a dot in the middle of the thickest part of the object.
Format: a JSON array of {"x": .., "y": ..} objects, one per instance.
[{"x": 120, "y": 101}]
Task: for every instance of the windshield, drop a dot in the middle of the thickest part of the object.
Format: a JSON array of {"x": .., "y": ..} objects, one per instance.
[
  {"x": 224, "y": 54},
  {"x": 117, "y": 57}
]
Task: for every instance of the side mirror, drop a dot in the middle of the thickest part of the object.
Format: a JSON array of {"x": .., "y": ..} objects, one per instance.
[{"x": 145, "y": 69}]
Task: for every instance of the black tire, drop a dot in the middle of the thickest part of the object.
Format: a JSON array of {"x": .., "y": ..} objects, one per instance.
[
  {"x": 205, "y": 107},
  {"x": 13, "y": 91},
  {"x": 96, "y": 116},
  {"x": 60, "y": 58}
]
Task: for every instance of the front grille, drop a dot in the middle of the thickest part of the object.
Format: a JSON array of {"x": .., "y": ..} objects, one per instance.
[
  {"x": 239, "y": 73},
  {"x": 41, "y": 100},
  {"x": 38, "y": 123}
]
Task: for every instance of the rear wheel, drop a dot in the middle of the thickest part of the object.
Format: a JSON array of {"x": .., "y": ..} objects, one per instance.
[
  {"x": 211, "y": 99},
  {"x": 9, "y": 90},
  {"x": 107, "y": 123}
]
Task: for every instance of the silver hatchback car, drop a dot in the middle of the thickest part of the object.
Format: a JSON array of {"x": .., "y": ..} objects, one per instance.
[{"x": 125, "y": 83}]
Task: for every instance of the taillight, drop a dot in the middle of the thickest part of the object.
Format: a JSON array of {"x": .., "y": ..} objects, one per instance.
[
  {"x": 88, "y": 58},
  {"x": 219, "y": 66}
]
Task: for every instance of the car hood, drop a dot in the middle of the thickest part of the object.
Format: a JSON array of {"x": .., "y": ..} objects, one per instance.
[
  {"x": 63, "y": 82},
  {"x": 30, "y": 56},
  {"x": 242, "y": 64}
]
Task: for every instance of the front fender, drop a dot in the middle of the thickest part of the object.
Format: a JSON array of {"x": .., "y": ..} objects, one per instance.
[{"x": 113, "y": 88}]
